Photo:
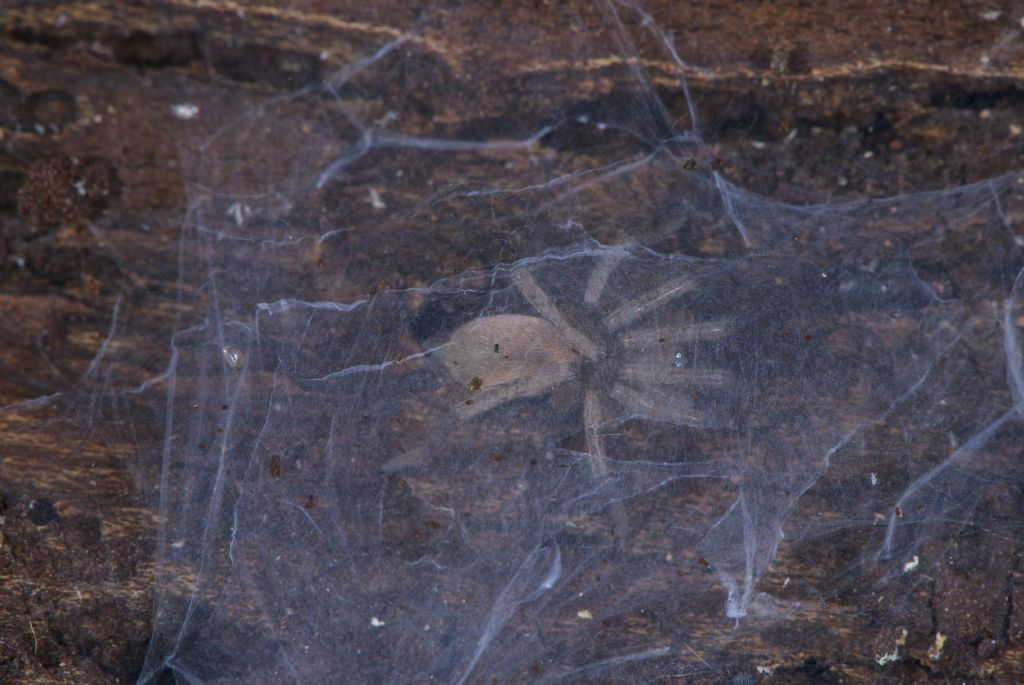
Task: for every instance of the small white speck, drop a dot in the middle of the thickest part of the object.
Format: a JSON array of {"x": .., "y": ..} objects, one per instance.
[
  {"x": 824, "y": 275},
  {"x": 385, "y": 119},
  {"x": 985, "y": 113},
  {"x": 842, "y": 181},
  {"x": 585, "y": 614},
  {"x": 185, "y": 110},
  {"x": 377, "y": 623},
  {"x": 765, "y": 670},
  {"x": 886, "y": 658},
  {"x": 79, "y": 187},
  {"x": 758, "y": 144},
  {"x": 1015, "y": 130},
  {"x": 990, "y": 15},
  {"x": 679, "y": 360},
  {"x": 324, "y": 55},
  {"x": 61, "y": 20},
  {"x": 233, "y": 357},
  {"x": 97, "y": 118},
  {"x": 178, "y": 544},
  {"x": 375, "y": 200},
  {"x": 874, "y": 478},
  {"x": 911, "y": 565},
  {"x": 985, "y": 60},
  {"x": 785, "y": 582},
  {"x": 869, "y": 154},
  {"x": 238, "y": 212}
]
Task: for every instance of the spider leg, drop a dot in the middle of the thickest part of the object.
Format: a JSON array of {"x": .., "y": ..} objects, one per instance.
[
  {"x": 599, "y": 279},
  {"x": 593, "y": 417},
  {"x": 657, "y": 375},
  {"x": 531, "y": 386},
  {"x": 648, "y": 302},
  {"x": 655, "y": 404},
  {"x": 536, "y": 296},
  {"x": 650, "y": 337}
]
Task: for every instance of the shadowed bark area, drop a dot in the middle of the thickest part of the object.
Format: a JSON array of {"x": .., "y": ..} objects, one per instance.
[{"x": 802, "y": 102}]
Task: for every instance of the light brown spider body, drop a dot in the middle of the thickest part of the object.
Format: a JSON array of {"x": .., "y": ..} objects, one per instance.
[
  {"x": 498, "y": 355},
  {"x": 506, "y": 357}
]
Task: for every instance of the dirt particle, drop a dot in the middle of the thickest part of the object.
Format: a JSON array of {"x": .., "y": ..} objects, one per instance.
[
  {"x": 779, "y": 62},
  {"x": 42, "y": 512}
]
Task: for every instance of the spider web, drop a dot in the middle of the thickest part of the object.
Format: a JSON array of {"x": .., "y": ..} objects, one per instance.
[
  {"x": 333, "y": 512},
  {"x": 327, "y": 514}
]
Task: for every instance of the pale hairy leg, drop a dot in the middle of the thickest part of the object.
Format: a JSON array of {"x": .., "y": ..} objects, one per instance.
[
  {"x": 599, "y": 279},
  {"x": 593, "y": 418},
  {"x": 648, "y": 302},
  {"x": 650, "y": 337},
  {"x": 656, "y": 405},
  {"x": 687, "y": 377},
  {"x": 536, "y": 296}
]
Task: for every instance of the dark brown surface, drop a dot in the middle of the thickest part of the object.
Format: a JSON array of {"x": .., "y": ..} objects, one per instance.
[{"x": 885, "y": 99}]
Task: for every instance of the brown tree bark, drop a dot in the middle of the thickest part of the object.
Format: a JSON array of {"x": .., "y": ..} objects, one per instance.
[{"x": 807, "y": 100}]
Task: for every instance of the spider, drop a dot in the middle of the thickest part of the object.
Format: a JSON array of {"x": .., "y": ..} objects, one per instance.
[{"x": 614, "y": 357}]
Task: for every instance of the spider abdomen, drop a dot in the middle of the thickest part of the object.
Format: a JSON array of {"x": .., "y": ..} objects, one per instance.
[{"x": 507, "y": 348}]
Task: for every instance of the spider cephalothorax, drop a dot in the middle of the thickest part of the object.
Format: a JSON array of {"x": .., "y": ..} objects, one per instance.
[{"x": 611, "y": 355}]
